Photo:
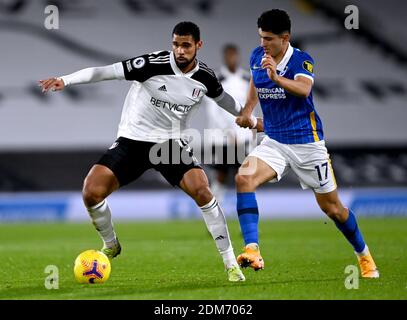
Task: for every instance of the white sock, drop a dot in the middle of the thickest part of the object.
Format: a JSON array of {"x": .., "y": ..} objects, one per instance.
[
  {"x": 102, "y": 220},
  {"x": 253, "y": 246},
  {"x": 216, "y": 224},
  {"x": 364, "y": 252}
]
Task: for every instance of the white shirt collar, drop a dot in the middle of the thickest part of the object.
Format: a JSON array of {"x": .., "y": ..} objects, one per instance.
[
  {"x": 281, "y": 66},
  {"x": 177, "y": 70}
]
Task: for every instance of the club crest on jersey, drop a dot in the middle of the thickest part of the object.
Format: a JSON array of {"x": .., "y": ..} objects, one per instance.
[
  {"x": 139, "y": 62},
  {"x": 196, "y": 92},
  {"x": 307, "y": 65}
]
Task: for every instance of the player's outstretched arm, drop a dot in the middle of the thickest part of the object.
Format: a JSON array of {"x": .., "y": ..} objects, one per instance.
[
  {"x": 230, "y": 104},
  {"x": 246, "y": 119},
  {"x": 88, "y": 75},
  {"x": 251, "y": 100}
]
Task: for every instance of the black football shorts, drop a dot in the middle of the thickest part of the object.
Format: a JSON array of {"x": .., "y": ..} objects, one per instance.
[{"x": 129, "y": 159}]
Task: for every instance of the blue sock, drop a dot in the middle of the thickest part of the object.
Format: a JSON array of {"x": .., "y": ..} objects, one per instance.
[
  {"x": 351, "y": 231},
  {"x": 248, "y": 216}
]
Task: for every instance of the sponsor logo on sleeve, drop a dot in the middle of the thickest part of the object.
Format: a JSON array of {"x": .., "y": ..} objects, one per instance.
[
  {"x": 308, "y": 66},
  {"x": 139, "y": 62}
]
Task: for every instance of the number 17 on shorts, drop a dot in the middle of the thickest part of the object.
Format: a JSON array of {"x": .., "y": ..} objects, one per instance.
[{"x": 326, "y": 178}]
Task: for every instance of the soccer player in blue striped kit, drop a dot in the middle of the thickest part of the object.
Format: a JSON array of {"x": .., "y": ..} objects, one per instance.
[{"x": 282, "y": 79}]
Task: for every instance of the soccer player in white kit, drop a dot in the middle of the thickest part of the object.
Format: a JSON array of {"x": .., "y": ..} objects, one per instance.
[{"x": 167, "y": 86}]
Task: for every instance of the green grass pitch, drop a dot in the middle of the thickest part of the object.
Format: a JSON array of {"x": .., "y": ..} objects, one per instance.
[{"x": 178, "y": 260}]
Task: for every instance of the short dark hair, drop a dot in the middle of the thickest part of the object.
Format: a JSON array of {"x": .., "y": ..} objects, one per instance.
[
  {"x": 275, "y": 21},
  {"x": 187, "y": 28},
  {"x": 231, "y": 47}
]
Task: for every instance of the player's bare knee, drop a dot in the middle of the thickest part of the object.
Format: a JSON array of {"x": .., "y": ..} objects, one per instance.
[
  {"x": 202, "y": 195},
  {"x": 245, "y": 182},
  {"x": 92, "y": 196}
]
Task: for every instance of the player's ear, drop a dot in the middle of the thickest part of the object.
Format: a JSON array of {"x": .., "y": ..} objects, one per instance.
[{"x": 199, "y": 44}]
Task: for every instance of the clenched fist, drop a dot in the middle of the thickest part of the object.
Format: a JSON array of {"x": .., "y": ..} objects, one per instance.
[
  {"x": 245, "y": 121},
  {"x": 267, "y": 62}
]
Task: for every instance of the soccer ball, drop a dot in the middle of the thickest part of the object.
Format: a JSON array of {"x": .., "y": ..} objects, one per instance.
[{"x": 92, "y": 266}]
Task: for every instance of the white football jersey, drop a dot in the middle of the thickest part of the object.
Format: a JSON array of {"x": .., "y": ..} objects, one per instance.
[
  {"x": 236, "y": 84},
  {"x": 162, "y": 97}
]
